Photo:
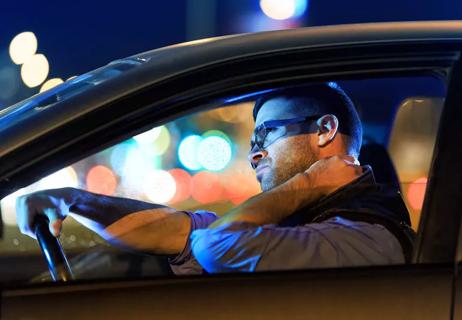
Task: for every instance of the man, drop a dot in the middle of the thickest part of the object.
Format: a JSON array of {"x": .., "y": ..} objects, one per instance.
[{"x": 318, "y": 207}]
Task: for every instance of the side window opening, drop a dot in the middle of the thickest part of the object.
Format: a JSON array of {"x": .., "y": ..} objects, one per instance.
[
  {"x": 199, "y": 162},
  {"x": 411, "y": 147}
]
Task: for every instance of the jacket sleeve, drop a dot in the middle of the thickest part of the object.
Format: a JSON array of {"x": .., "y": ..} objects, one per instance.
[
  {"x": 334, "y": 243},
  {"x": 185, "y": 263}
]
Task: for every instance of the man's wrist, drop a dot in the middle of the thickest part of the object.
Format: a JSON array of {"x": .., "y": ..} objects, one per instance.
[{"x": 306, "y": 192}]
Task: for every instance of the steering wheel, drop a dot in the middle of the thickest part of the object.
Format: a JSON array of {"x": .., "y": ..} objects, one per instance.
[{"x": 52, "y": 250}]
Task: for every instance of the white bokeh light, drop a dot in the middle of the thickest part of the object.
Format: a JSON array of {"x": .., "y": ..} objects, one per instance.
[
  {"x": 278, "y": 9},
  {"x": 159, "y": 186},
  {"x": 8, "y": 205},
  {"x": 187, "y": 152},
  {"x": 35, "y": 70},
  {"x": 51, "y": 84},
  {"x": 63, "y": 178},
  {"x": 23, "y": 47},
  {"x": 148, "y": 136},
  {"x": 214, "y": 153}
]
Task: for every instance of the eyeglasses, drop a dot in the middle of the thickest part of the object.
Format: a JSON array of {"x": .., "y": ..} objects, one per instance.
[{"x": 261, "y": 133}]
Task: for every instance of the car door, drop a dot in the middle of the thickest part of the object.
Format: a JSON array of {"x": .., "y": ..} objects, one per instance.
[{"x": 100, "y": 117}]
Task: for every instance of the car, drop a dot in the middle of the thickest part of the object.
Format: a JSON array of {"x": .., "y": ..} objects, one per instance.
[{"x": 405, "y": 79}]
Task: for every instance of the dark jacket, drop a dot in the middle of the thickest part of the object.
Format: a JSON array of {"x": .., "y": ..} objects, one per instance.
[{"x": 363, "y": 200}]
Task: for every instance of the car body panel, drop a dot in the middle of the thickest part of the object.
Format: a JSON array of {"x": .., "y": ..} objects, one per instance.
[{"x": 370, "y": 293}]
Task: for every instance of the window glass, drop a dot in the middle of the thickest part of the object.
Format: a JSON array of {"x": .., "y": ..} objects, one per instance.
[{"x": 199, "y": 162}]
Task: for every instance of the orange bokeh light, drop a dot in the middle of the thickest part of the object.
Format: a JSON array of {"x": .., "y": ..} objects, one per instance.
[
  {"x": 206, "y": 187},
  {"x": 101, "y": 179},
  {"x": 240, "y": 187},
  {"x": 416, "y": 193},
  {"x": 183, "y": 185}
]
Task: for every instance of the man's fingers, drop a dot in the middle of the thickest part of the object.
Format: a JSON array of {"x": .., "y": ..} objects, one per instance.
[
  {"x": 350, "y": 160},
  {"x": 55, "y": 227},
  {"x": 55, "y": 221}
]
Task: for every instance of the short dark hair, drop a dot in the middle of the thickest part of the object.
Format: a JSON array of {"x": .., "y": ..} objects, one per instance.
[{"x": 323, "y": 98}]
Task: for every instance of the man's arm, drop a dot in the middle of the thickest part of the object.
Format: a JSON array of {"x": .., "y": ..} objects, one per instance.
[
  {"x": 337, "y": 242},
  {"x": 322, "y": 178},
  {"x": 135, "y": 224}
]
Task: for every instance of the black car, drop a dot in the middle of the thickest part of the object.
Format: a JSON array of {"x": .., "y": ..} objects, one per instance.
[{"x": 92, "y": 131}]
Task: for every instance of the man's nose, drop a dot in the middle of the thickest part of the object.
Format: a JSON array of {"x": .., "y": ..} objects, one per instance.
[{"x": 255, "y": 155}]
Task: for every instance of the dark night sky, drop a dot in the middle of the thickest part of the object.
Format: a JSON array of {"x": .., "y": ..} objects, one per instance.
[{"x": 78, "y": 36}]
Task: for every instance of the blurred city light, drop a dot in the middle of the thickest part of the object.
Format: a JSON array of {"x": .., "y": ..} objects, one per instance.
[
  {"x": 101, "y": 179},
  {"x": 159, "y": 186},
  {"x": 206, "y": 187},
  {"x": 183, "y": 185},
  {"x": 136, "y": 166},
  {"x": 416, "y": 193},
  {"x": 162, "y": 142},
  {"x": 35, "y": 70},
  {"x": 51, "y": 84},
  {"x": 63, "y": 178},
  {"x": 8, "y": 206},
  {"x": 214, "y": 152},
  {"x": 187, "y": 152},
  {"x": 240, "y": 184},
  {"x": 23, "y": 47},
  {"x": 119, "y": 155},
  {"x": 282, "y": 10},
  {"x": 148, "y": 137}
]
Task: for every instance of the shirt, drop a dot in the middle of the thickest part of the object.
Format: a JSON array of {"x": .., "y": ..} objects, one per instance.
[{"x": 238, "y": 246}]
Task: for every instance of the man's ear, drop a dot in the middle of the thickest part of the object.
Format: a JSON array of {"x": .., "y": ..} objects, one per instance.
[{"x": 327, "y": 129}]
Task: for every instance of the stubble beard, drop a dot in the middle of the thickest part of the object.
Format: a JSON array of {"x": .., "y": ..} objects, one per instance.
[{"x": 287, "y": 169}]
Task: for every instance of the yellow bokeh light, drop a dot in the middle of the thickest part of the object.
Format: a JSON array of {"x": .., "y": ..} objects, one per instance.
[
  {"x": 277, "y": 9},
  {"x": 35, "y": 70},
  {"x": 51, "y": 84},
  {"x": 23, "y": 47}
]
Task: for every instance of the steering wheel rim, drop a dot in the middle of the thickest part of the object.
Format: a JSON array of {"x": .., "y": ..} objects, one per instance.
[{"x": 52, "y": 251}]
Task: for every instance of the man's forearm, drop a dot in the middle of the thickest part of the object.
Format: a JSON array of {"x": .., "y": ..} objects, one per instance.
[
  {"x": 129, "y": 223},
  {"x": 104, "y": 210}
]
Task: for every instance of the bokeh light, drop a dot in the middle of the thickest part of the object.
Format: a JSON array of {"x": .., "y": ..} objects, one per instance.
[
  {"x": 101, "y": 179},
  {"x": 416, "y": 193},
  {"x": 159, "y": 186},
  {"x": 35, "y": 70},
  {"x": 187, "y": 152},
  {"x": 119, "y": 155},
  {"x": 23, "y": 47},
  {"x": 206, "y": 187},
  {"x": 240, "y": 186},
  {"x": 183, "y": 185},
  {"x": 136, "y": 165},
  {"x": 51, "y": 83},
  {"x": 8, "y": 206},
  {"x": 277, "y": 9},
  {"x": 214, "y": 152},
  {"x": 154, "y": 142},
  {"x": 148, "y": 137},
  {"x": 63, "y": 178}
]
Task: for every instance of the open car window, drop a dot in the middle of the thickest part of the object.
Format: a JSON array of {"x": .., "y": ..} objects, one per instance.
[{"x": 199, "y": 162}]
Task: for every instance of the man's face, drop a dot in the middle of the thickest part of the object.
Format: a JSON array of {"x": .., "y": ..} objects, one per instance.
[{"x": 286, "y": 156}]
